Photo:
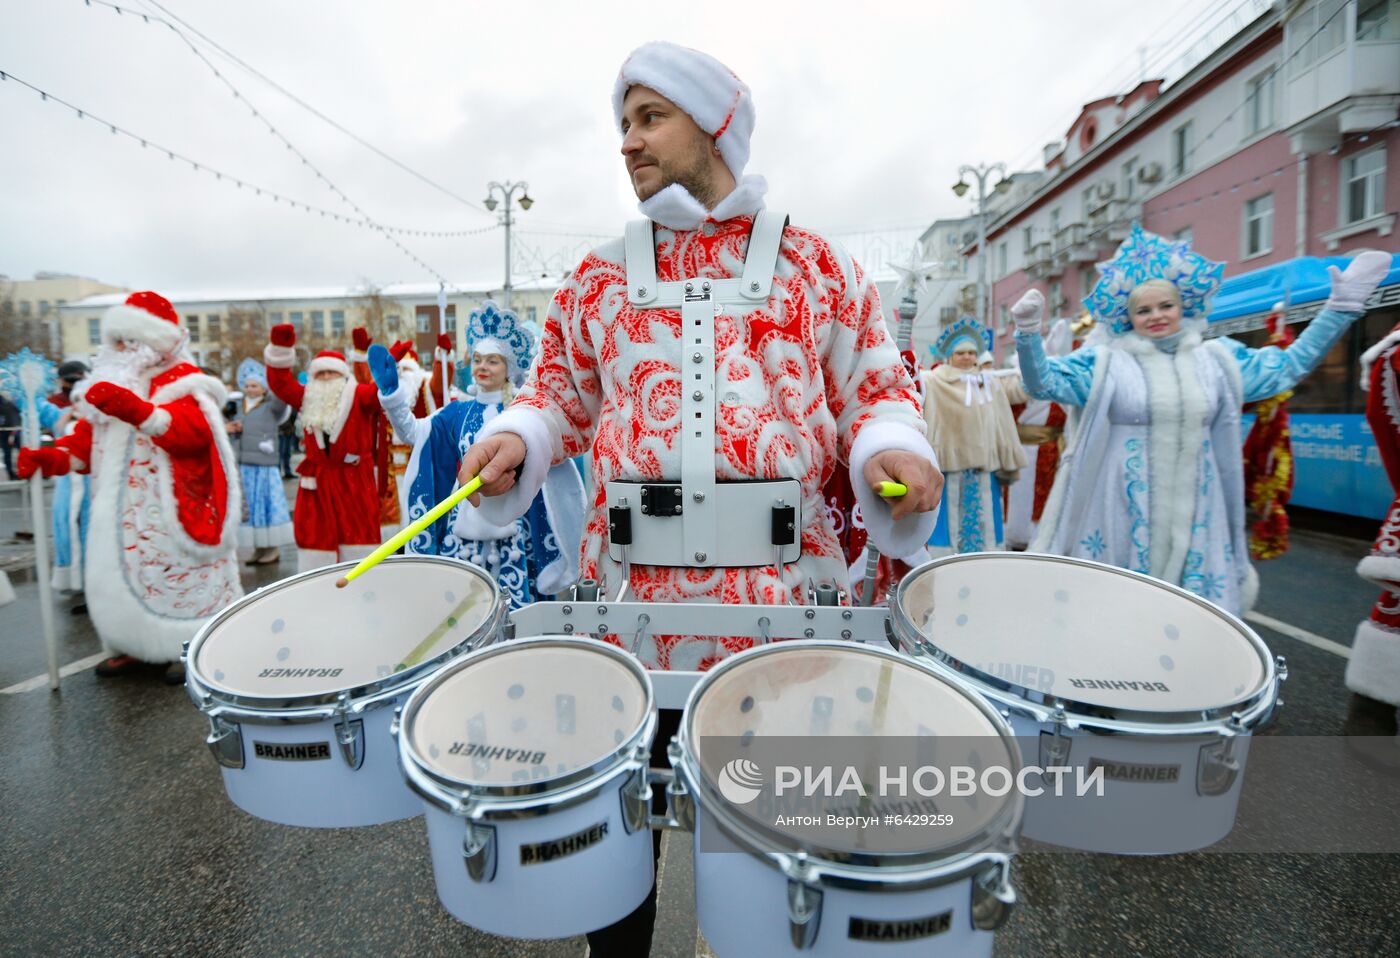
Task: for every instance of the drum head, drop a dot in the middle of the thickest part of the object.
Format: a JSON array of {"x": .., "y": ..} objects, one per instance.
[
  {"x": 528, "y": 712},
  {"x": 304, "y": 638},
  {"x": 1083, "y": 632},
  {"x": 845, "y": 705}
]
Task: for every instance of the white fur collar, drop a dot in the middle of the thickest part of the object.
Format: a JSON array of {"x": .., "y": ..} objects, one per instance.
[
  {"x": 674, "y": 207},
  {"x": 1142, "y": 346},
  {"x": 1369, "y": 357}
]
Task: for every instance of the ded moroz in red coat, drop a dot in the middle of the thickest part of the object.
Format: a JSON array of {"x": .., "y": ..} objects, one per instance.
[
  {"x": 165, "y": 509},
  {"x": 336, "y": 517}
]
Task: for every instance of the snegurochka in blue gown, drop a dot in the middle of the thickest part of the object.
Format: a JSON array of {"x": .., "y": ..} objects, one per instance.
[{"x": 1151, "y": 478}]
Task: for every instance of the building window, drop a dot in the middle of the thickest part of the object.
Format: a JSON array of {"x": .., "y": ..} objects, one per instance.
[
  {"x": 1130, "y": 178},
  {"x": 294, "y": 317},
  {"x": 212, "y": 328},
  {"x": 1003, "y": 317},
  {"x": 947, "y": 314},
  {"x": 392, "y": 321},
  {"x": 1183, "y": 235},
  {"x": 274, "y": 319},
  {"x": 1003, "y": 258},
  {"x": 1054, "y": 221},
  {"x": 1088, "y": 199},
  {"x": 94, "y": 332},
  {"x": 1027, "y": 239},
  {"x": 1315, "y": 31},
  {"x": 424, "y": 319},
  {"x": 43, "y": 307},
  {"x": 318, "y": 323},
  {"x": 1376, "y": 20},
  {"x": 531, "y": 314},
  {"x": 1259, "y": 225},
  {"x": 1181, "y": 149},
  {"x": 1259, "y": 102},
  {"x": 26, "y": 308},
  {"x": 1057, "y": 295},
  {"x": 1088, "y": 278},
  {"x": 1364, "y": 179},
  {"x": 337, "y": 322},
  {"x": 192, "y": 324}
]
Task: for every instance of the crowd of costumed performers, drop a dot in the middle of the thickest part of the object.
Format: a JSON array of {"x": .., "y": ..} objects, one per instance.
[
  {"x": 967, "y": 411},
  {"x": 425, "y": 387},
  {"x": 532, "y": 556},
  {"x": 1152, "y": 477},
  {"x": 164, "y": 494}
]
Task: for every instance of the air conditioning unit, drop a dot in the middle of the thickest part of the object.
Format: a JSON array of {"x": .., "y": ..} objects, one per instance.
[
  {"x": 1104, "y": 191},
  {"x": 1150, "y": 173}
]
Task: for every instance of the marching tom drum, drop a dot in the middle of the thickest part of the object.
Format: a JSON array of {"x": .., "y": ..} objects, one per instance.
[
  {"x": 1119, "y": 678},
  {"x": 937, "y": 882},
  {"x": 297, "y": 678},
  {"x": 530, "y": 757}
]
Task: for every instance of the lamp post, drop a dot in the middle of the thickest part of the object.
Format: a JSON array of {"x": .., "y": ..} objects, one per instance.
[
  {"x": 507, "y": 191},
  {"x": 981, "y": 172}
]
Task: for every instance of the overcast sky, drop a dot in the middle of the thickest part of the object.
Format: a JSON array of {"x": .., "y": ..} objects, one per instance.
[{"x": 864, "y": 114}]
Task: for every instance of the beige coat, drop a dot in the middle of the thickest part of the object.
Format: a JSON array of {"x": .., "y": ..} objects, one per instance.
[{"x": 977, "y": 436}]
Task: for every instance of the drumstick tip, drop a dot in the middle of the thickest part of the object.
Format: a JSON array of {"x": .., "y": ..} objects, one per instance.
[{"x": 342, "y": 582}]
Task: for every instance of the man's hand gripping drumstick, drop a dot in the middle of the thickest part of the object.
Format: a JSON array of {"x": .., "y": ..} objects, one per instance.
[{"x": 496, "y": 460}]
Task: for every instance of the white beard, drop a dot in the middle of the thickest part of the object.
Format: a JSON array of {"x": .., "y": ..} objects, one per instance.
[
  {"x": 320, "y": 405},
  {"x": 415, "y": 376},
  {"x": 131, "y": 368}
]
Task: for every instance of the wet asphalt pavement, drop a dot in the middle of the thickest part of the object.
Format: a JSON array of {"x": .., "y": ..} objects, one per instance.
[{"x": 117, "y": 838}]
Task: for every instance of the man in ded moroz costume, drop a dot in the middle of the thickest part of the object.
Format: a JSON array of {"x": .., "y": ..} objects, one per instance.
[
  {"x": 165, "y": 503},
  {"x": 533, "y": 556},
  {"x": 336, "y": 516},
  {"x": 712, "y": 347},
  {"x": 1152, "y": 479}
]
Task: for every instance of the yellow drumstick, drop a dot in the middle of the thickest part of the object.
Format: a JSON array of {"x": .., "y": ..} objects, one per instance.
[
  {"x": 392, "y": 546},
  {"x": 891, "y": 490}
]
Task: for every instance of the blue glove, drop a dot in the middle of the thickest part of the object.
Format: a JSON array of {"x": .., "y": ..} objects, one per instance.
[{"x": 384, "y": 370}]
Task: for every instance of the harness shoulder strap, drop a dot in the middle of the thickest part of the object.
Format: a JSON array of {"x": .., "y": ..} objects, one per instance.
[
  {"x": 762, "y": 260},
  {"x": 640, "y": 248}
]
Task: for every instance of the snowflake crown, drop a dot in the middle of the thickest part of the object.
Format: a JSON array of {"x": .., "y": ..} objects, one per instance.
[
  {"x": 1145, "y": 256},
  {"x": 965, "y": 328},
  {"x": 501, "y": 328}
]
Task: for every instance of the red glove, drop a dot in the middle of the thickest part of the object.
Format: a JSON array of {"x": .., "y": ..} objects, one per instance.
[
  {"x": 119, "y": 402},
  {"x": 52, "y": 462},
  {"x": 360, "y": 337},
  {"x": 284, "y": 334},
  {"x": 445, "y": 342}
]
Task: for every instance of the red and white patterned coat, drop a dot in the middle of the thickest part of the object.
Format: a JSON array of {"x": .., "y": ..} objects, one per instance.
[{"x": 805, "y": 383}]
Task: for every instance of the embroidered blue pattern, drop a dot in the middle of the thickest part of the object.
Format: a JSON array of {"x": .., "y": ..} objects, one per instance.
[
  {"x": 970, "y": 537},
  {"x": 1194, "y": 578},
  {"x": 1136, "y": 488},
  {"x": 1093, "y": 544}
]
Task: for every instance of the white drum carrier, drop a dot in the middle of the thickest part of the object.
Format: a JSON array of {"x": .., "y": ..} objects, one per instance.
[
  {"x": 530, "y": 757},
  {"x": 668, "y": 523},
  {"x": 297, "y": 678},
  {"x": 1106, "y": 671},
  {"x": 789, "y": 889}
]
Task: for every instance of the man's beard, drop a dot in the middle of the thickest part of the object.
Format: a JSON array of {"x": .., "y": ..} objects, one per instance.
[
  {"x": 694, "y": 177},
  {"x": 320, "y": 406},
  {"x": 131, "y": 368},
  {"x": 414, "y": 375}
]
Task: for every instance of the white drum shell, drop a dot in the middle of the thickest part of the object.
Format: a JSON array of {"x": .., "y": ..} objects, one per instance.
[
  {"x": 570, "y": 895},
  {"x": 323, "y": 793},
  {"x": 1134, "y": 818},
  {"x": 742, "y": 909}
]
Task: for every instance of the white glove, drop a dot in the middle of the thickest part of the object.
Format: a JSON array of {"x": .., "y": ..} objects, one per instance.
[
  {"x": 265, "y": 447},
  {"x": 1028, "y": 310},
  {"x": 1351, "y": 289}
]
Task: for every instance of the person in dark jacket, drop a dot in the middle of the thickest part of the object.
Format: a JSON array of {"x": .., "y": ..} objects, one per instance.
[{"x": 267, "y": 523}]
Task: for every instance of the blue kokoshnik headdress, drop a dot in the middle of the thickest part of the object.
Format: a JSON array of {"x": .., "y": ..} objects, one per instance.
[
  {"x": 1145, "y": 256},
  {"x": 491, "y": 329},
  {"x": 965, "y": 329},
  {"x": 251, "y": 369}
]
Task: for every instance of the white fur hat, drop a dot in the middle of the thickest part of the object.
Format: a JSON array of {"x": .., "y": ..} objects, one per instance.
[
  {"x": 717, "y": 100},
  {"x": 144, "y": 317},
  {"x": 329, "y": 360}
]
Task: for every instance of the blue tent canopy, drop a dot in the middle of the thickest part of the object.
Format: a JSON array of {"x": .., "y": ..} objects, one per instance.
[{"x": 1297, "y": 281}]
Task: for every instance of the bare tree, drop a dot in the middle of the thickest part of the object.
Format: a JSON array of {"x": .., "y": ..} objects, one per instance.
[{"x": 18, "y": 331}]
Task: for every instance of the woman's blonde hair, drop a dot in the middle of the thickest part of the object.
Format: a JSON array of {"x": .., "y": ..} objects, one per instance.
[{"x": 1157, "y": 285}]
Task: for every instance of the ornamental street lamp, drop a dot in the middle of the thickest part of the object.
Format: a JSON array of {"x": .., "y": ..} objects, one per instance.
[
  {"x": 981, "y": 172},
  {"x": 507, "y": 191}
]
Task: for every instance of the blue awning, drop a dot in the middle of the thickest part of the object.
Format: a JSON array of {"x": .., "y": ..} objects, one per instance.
[{"x": 1295, "y": 282}]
